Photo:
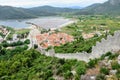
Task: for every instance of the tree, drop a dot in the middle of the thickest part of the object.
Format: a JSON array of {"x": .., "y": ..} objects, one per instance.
[
  {"x": 68, "y": 75},
  {"x": 35, "y": 46},
  {"x": 80, "y": 70},
  {"x": 48, "y": 74},
  {"x": 92, "y": 63},
  {"x": 27, "y": 41},
  {"x": 3, "y": 51},
  {"x": 0, "y": 47}
]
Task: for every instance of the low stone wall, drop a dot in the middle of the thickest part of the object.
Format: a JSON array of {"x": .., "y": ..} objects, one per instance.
[{"x": 112, "y": 43}]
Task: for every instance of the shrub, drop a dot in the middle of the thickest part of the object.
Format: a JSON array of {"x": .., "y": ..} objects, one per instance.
[
  {"x": 104, "y": 71},
  {"x": 100, "y": 77},
  {"x": 27, "y": 41},
  {"x": 115, "y": 65},
  {"x": 51, "y": 78},
  {"x": 108, "y": 54},
  {"x": 80, "y": 70},
  {"x": 92, "y": 63},
  {"x": 68, "y": 75},
  {"x": 35, "y": 46}
]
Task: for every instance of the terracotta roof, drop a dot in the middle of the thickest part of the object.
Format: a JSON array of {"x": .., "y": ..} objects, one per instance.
[{"x": 55, "y": 39}]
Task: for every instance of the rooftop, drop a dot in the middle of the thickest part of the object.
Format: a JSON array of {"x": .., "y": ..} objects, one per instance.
[{"x": 54, "y": 39}]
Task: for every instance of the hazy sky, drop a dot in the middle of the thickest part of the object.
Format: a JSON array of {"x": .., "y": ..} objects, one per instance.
[{"x": 59, "y": 3}]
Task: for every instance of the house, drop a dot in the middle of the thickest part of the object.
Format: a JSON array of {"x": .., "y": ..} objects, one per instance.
[
  {"x": 1, "y": 39},
  {"x": 55, "y": 39},
  {"x": 15, "y": 38},
  {"x": 3, "y": 30},
  {"x": 88, "y": 36}
]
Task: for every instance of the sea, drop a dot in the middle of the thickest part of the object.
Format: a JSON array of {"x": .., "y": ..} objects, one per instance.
[{"x": 44, "y": 22}]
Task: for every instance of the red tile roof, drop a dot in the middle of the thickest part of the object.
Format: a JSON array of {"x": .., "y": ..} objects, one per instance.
[{"x": 55, "y": 39}]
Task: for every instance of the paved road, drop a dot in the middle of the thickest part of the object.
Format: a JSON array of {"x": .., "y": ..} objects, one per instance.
[
  {"x": 32, "y": 36},
  {"x": 7, "y": 35}
]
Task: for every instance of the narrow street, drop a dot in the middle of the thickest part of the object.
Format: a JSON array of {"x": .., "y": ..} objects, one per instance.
[
  {"x": 7, "y": 35},
  {"x": 32, "y": 36}
]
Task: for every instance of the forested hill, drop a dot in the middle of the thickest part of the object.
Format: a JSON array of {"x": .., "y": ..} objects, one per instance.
[
  {"x": 8, "y": 12},
  {"x": 49, "y": 10},
  {"x": 110, "y": 7}
]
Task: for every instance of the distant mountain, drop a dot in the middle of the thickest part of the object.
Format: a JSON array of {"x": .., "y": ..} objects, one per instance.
[
  {"x": 49, "y": 10},
  {"x": 7, "y": 12},
  {"x": 75, "y": 7},
  {"x": 111, "y": 7}
]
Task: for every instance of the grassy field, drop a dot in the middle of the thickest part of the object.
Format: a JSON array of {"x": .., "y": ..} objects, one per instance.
[
  {"x": 22, "y": 31},
  {"x": 90, "y": 24}
]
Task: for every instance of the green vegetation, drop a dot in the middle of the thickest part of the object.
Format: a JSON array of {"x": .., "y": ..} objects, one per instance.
[
  {"x": 18, "y": 43},
  {"x": 104, "y": 70},
  {"x": 9, "y": 29},
  {"x": 12, "y": 31},
  {"x": 35, "y": 46},
  {"x": 27, "y": 41},
  {"x": 100, "y": 25},
  {"x": 110, "y": 7},
  {"x": 91, "y": 24},
  {"x": 92, "y": 63},
  {"x": 1, "y": 34},
  {"x": 6, "y": 54},
  {"x": 20, "y": 63},
  {"x": 22, "y": 13},
  {"x": 100, "y": 77},
  {"x": 29, "y": 65},
  {"x": 14, "y": 13},
  {"x": 22, "y": 31},
  {"x": 78, "y": 46}
]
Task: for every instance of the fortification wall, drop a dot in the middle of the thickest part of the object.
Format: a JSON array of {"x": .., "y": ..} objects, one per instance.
[{"x": 112, "y": 43}]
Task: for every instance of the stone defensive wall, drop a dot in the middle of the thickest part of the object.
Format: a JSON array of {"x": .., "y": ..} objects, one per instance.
[{"x": 110, "y": 44}]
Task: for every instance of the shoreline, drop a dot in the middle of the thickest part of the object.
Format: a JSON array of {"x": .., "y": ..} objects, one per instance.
[
  {"x": 54, "y": 28},
  {"x": 65, "y": 24},
  {"x": 51, "y": 23}
]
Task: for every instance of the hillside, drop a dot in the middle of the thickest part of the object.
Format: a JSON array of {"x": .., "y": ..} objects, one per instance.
[
  {"x": 48, "y": 10},
  {"x": 31, "y": 65},
  {"x": 8, "y": 12},
  {"x": 20, "y": 64},
  {"x": 111, "y": 7}
]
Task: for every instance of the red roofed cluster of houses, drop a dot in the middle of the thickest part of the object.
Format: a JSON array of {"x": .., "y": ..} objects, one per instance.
[
  {"x": 3, "y": 30},
  {"x": 53, "y": 39}
]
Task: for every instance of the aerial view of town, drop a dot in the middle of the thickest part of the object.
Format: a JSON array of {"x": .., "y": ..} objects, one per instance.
[{"x": 60, "y": 40}]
